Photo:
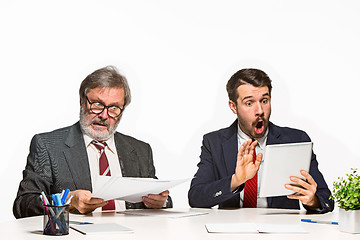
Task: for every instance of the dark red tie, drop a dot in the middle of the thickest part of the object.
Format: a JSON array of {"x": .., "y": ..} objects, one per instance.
[
  {"x": 250, "y": 191},
  {"x": 104, "y": 169}
]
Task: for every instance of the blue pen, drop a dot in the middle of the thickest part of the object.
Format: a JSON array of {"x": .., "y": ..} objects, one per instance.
[
  {"x": 319, "y": 221},
  {"x": 64, "y": 196},
  {"x": 54, "y": 200},
  {"x": 80, "y": 223},
  {"x": 62, "y": 193},
  {"x": 58, "y": 199}
]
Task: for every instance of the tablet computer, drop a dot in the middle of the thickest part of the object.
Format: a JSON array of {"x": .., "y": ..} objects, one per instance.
[{"x": 281, "y": 161}]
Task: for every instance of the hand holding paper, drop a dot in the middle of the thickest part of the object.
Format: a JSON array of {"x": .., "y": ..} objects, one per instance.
[
  {"x": 131, "y": 189},
  {"x": 156, "y": 200},
  {"x": 84, "y": 202}
]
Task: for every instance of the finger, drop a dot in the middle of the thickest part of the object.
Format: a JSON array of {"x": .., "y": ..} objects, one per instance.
[
  {"x": 308, "y": 177},
  {"x": 165, "y": 193},
  {"x": 297, "y": 190},
  {"x": 157, "y": 197},
  {"x": 87, "y": 208},
  {"x": 241, "y": 152},
  {"x": 294, "y": 196},
  {"x": 248, "y": 146},
  {"x": 300, "y": 182},
  {"x": 152, "y": 203},
  {"x": 244, "y": 148},
  {"x": 252, "y": 147},
  {"x": 258, "y": 160},
  {"x": 95, "y": 201},
  {"x": 253, "y": 144}
]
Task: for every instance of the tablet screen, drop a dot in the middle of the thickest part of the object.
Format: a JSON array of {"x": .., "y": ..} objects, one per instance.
[{"x": 280, "y": 162}]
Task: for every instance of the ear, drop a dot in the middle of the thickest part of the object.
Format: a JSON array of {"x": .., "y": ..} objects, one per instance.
[{"x": 232, "y": 106}]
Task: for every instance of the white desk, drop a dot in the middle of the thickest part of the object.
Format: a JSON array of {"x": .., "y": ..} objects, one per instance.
[{"x": 149, "y": 227}]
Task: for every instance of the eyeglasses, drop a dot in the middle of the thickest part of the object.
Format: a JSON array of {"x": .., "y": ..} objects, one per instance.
[{"x": 97, "y": 108}]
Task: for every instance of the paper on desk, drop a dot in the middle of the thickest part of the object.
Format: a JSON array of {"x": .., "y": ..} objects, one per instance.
[
  {"x": 254, "y": 228},
  {"x": 281, "y": 228},
  {"x": 162, "y": 213},
  {"x": 101, "y": 228},
  {"x": 232, "y": 228},
  {"x": 130, "y": 189}
]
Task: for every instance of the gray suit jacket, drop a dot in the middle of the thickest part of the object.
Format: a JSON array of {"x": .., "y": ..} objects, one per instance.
[{"x": 58, "y": 160}]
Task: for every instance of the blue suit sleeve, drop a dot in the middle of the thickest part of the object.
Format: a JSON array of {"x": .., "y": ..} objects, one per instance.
[
  {"x": 322, "y": 191},
  {"x": 211, "y": 184}
]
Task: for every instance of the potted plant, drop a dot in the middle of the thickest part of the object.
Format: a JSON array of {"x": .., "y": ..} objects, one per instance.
[{"x": 346, "y": 193}]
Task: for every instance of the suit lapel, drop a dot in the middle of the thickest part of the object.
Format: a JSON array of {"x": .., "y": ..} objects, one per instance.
[
  {"x": 76, "y": 157},
  {"x": 230, "y": 148},
  {"x": 274, "y": 135},
  {"x": 127, "y": 157}
]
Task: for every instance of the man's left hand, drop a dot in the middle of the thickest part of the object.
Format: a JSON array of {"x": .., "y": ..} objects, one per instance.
[
  {"x": 305, "y": 193},
  {"x": 156, "y": 200}
]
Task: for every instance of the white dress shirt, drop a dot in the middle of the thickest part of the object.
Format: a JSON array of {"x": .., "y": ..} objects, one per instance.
[
  {"x": 114, "y": 164},
  {"x": 260, "y": 148}
]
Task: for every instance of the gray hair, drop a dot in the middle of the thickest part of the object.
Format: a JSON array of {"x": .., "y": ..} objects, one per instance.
[{"x": 107, "y": 77}]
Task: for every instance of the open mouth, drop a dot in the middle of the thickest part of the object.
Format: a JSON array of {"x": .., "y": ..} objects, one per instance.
[
  {"x": 99, "y": 125},
  {"x": 259, "y": 127}
]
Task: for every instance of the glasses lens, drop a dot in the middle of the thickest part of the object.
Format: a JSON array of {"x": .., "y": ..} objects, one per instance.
[
  {"x": 97, "y": 107},
  {"x": 114, "y": 111}
]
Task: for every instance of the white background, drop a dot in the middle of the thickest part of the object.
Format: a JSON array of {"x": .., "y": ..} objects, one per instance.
[{"x": 178, "y": 56}]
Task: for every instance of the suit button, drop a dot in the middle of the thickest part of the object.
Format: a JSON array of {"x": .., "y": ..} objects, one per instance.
[{"x": 218, "y": 194}]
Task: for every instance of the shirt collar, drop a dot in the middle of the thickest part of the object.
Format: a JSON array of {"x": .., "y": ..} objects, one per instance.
[
  {"x": 110, "y": 142},
  {"x": 261, "y": 141}
]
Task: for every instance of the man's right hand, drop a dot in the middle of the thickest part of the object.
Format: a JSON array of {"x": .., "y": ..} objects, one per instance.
[
  {"x": 245, "y": 167},
  {"x": 84, "y": 203}
]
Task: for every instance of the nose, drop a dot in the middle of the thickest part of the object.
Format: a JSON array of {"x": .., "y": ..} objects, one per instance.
[
  {"x": 103, "y": 114},
  {"x": 259, "y": 111}
]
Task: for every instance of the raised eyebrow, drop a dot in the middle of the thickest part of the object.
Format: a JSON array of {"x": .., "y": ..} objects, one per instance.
[{"x": 249, "y": 97}]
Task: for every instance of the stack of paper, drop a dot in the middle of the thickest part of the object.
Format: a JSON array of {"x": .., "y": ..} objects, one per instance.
[
  {"x": 162, "y": 213},
  {"x": 101, "y": 228},
  {"x": 254, "y": 228}
]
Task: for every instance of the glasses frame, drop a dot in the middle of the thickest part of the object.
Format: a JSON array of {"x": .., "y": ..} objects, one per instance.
[{"x": 107, "y": 108}]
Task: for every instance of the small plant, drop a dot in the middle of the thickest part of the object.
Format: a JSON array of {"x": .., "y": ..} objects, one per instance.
[{"x": 347, "y": 191}]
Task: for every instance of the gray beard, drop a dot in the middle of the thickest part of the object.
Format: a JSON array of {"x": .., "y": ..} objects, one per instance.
[{"x": 87, "y": 130}]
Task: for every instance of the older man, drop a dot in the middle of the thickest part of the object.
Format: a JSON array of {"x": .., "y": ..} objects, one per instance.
[{"x": 73, "y": 157}]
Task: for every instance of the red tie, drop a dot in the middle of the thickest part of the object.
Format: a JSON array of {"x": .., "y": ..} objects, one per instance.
[
  {"x": 250, "y": 192},
  {"x": 104, "y": 169}
]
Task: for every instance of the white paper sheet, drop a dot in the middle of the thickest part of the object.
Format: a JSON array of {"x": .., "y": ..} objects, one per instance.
[
  {"x": 162, "y": 213},
  {"x": 254, "y": 228},
  {"x": 232, "y": 228},
  {"x": 130, "y": 189},
  {"x": 101, "y": 228}
]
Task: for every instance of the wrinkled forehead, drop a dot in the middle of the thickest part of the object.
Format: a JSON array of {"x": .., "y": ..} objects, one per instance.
[
  {"x": 248, "y": 91},
  {"x": 107, "y": 95}
]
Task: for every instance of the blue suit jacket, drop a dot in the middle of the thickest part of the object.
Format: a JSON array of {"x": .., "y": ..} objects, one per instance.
[{"x": 211, "y": 184}]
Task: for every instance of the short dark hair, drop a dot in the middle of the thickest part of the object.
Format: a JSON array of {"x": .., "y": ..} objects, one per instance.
[
  {"x": 105, "y": 77},
  {"x": 254, "y": 77}
]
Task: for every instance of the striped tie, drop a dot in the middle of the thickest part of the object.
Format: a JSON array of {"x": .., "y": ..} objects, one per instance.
[
  {"x": 250, "y": 191},
  {"x": 104, "y": 169}
]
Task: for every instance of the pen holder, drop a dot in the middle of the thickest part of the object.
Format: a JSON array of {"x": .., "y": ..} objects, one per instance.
[{"x": 56, "y": 220}]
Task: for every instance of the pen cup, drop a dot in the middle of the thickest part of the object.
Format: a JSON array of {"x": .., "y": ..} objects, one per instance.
[{"x": 56, "y": 220}]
